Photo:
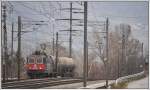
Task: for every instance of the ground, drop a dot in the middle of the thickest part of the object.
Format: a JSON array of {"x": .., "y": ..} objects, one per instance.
[
  {"x": 73, "y": 86},
  {"x": 139, "y": 84}
]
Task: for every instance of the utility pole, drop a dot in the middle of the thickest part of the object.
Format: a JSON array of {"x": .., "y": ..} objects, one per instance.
[
  {"x": 56, "y": 61},
  {"x": 118, "y": 64},
  {"x": 123, "y": 49},
  {"x": 53, "y": 40},
  {"x": 143, "y": 62},
  {"x": 87, "y": 58},
  {"x": 19, "y": 46},
  {"x": 107, "y": 54},
  {"x": 53, "y": 46},
  {"x": 12, "y": 38},
  {"x": 70, "y": 40},
  {"x": 4, "y": 43},
  {"x": 70, "y": 19},
  {"x": 85, "y": 45}
]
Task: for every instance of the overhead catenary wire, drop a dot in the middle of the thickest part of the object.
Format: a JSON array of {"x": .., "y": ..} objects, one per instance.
[{"x": 46, "y": 33}]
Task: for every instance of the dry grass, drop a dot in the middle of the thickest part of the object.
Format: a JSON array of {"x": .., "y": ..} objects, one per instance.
[{"x": 121, "y": 85}]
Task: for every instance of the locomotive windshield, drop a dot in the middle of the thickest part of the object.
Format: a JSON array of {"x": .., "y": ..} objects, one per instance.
[
  {"x": 39, "y": 60},
  {"x": 31, "y": 60}
]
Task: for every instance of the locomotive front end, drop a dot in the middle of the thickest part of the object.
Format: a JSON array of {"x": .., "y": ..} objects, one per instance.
[{"x": 35, "y": 66}]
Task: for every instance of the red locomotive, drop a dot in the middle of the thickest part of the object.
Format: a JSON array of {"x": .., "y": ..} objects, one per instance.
[{"x": 42, "y": 65}]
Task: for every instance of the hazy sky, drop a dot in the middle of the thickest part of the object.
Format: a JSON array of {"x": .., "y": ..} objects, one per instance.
[{"x": 132, "y": 13}]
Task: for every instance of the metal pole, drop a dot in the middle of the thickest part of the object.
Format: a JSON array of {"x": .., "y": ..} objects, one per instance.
[
  {"x": 107, "y": 55},
  {"x": 85, "y": 45},
  {"x": 143, "y": 58},
  {"x": 123, "y": 49},
  {"x": 70, "y": 40},
  {"x": 53, "y": 46},
  {"x": 12, "y": 37},
  {"x": 53, "y": 40},
  {"x": 5, "y": 44},
  {"x": 118, "y": 64},
  {"x": 19, "y": 45},
  {"x": 87, "y": 59},
  {"x": 56, "y": 61}
]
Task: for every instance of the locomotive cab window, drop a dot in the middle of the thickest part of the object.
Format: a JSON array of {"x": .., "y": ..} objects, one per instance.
[
  {"x": 31, "y": 60},
  {"x": 39, "y": 60}
]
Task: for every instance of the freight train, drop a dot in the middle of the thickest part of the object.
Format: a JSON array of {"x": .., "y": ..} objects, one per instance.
[{"x": 42, "y": 65}]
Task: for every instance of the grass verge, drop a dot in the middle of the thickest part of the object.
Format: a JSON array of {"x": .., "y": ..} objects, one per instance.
[
  {"x": 124, "y": 84},
  {"x": 119, "y": 85}
]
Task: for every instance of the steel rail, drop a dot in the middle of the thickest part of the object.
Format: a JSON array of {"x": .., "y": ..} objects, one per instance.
[{"x": 39, "y": 83}]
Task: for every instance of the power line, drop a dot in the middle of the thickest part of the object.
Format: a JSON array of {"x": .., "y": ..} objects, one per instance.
[
  {"x": 70, "y": 20},
  {"x": 94, "y": 14},
  {"x": 17, "y": 12},
  {"x": 45, "y": 15},
  {"x": 127, "y": 17}
]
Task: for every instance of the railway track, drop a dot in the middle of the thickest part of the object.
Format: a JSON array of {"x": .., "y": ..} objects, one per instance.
[{"x": 38, "y": 83}]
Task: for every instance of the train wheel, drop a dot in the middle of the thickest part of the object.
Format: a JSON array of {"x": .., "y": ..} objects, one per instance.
[
  {"x": 30, "y": 75},
  {"x": 34, "y": 76}
]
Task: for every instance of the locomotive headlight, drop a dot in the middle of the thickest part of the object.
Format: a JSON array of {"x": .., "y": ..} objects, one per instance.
[
  {"x": 40, "y": 68},
  {"x": 30, "y": 67}
]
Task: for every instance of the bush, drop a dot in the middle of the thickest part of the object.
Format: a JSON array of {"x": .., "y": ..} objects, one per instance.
[{"x": 119, "y": 85}]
